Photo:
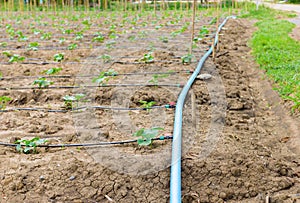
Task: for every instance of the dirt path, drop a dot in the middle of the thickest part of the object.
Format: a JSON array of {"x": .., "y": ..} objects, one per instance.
[{"x": 296, "y": 8}]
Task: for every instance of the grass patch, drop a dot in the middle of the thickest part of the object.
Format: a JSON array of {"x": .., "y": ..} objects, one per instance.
[{"x": 277, "y": 53}]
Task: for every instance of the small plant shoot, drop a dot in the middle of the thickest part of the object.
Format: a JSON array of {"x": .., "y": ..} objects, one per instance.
[
  {"x": 147, "y": 104},
  {"x": 3, "y": 101},
  {"x": 29, "y": 146},
  {"x": 42, "y": 82},
  {"x": 148, "y": 58},
  {"x": 187, "y": 59},
  {"x": 52, "y": 71},
  {"x": 69, "y": 100},
  {"x": 145, "y": 136},
  {"x": 155, "y": 78},
  {"x": 104, "y": 77},
  {"x": 33, "y": 46},
  {"x": 59, "y": 57}
]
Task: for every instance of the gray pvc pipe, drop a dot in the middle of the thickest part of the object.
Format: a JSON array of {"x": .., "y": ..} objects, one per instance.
[{"x": 175, "y": 182}]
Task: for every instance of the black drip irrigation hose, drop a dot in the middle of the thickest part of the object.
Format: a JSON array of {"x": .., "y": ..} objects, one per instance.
[
  {"x": 97, "y": 63},
  {"x": 87, "y": 76},
  {"x": 93, "y": 86},
  {"x": 161, "y": 138},
  {"x": 167, "y": 106}
]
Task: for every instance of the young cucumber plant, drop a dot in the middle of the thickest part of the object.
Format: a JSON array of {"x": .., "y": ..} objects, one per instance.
[
  {"x": 148, "y": 58},
  {"x": 3, "y": 102},
  {"x": 155, "y": 78},
  {"x": 146, "y": 104},
  {"x": 42, "y": 82},
  {"x": 33, "y": 46},
  {"x": 105, "y": 58},
  {"x": 104, "y": 77},
  {"x": 72, "y": 46},
  {"x": 29, "y": 146},
  {"x": 98, "y": 38},
  {"x": 59, "y": 57},
  {"x": 52, "y": 71},
  {"x": 145, "y": 136},
  {"x": 69, "y": 100},
  {"x": 13, "y": 57},
  {"x": 187, "y": 59}
]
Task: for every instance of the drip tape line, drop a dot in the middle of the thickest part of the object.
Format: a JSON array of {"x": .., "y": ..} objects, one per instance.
[
  {"x": 167, "y": 106},
  {"x": 86, "y": 76},
  {"x": 97, "y": 63},
  {"x": 94, "y": 86},
  {"x": 161, "y": 138}
]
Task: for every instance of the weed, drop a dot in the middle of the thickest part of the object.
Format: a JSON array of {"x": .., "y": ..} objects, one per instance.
[
  {"x": 3, "y": 101},
  {"x": 59, "y": 57},
  {"x": 147, "y": 104},
  {"x": 145, "y": 136},
  {"x": 42, "y": 82},
  {"x": 69, "y": 100},
  {"x": 29, "y": 146}
]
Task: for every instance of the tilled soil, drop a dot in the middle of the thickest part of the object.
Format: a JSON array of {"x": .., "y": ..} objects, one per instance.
[{"x": 244, "y": 147}]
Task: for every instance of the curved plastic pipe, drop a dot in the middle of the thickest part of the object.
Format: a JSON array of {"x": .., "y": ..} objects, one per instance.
[{"x": 175, "y": 182}]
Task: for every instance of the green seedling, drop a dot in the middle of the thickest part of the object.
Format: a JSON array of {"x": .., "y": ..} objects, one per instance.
[
  {"x": 106, "y": 58},
  {"x": 187, "y": 59},
  {"x": 46, "y": 36},
  {"x": 98, "y": 38},
  {"x": 7, "y": 53},
  {"x": 59, "y": 57},
  {"x": 62, "y": 40},
  {"x": 3, "y": 44},
  {"x": 104, "y": 77},
  {"x": 3, "y": 101},
  {"x": 21, "y": 37},
  {"x": 78, "y": 36},
  {"x": 145, "y": 136},
  {"x": 69, "y": 100},
  {"x": 155, "y": 78},
  {"x": 33, "y": 46},
  {"x": 42, "y": 82},
  {"x": 52, "y": 71},
  {"x": 72, "y": 46},
  {"x": 110, "y": 44},
  {"x": 164, "y": 39},
  {"x": 67, "y": 31},
  {"x": 146, "y": 104},
  {"x": 16, "y": 58},
  {"x": 29, "y": 146},
  {"x": 148, "y": 58},
  {"x": 203, "y": 31}
]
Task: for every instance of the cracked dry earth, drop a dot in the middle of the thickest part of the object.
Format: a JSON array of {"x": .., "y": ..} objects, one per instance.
[{"x": 253, "y": 152}]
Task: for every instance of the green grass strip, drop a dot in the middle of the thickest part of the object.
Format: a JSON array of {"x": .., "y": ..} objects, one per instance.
[{"x": 277, "y": 53}]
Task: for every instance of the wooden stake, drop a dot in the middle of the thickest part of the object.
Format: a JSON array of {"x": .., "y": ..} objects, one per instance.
[{"x": 193, "y": 26}]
